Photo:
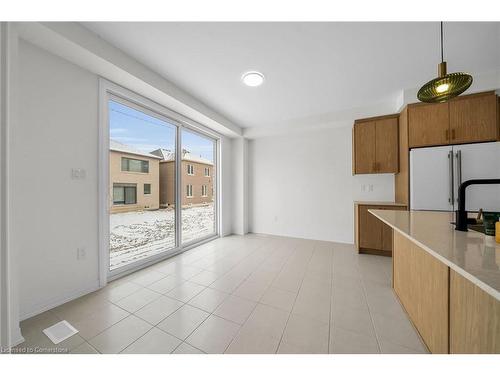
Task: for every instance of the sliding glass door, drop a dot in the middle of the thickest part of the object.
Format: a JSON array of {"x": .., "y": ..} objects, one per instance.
[
  {"x": 162, "y": 185},
  {"x": 141, "y": 183},
  {"x": 198, "y": 192}
]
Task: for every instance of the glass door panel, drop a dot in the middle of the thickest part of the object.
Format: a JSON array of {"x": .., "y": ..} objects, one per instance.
[
  {"x": 198, "y": 192},
  {"x": 142, "y": 184}
]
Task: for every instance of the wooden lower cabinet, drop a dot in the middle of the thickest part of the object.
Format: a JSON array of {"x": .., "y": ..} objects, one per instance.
[
  {"x": 451, "y": 314},
  {"x": 421, "y": 283},
  {"x": 372, "y": 236},
  {"x": 474, "y": 318}
]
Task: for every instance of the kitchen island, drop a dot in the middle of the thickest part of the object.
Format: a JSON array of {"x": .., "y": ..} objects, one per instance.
[{"x": 448, "y": 281}]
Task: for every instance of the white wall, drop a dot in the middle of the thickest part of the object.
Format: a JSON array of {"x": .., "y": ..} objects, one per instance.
[
  {"x": 53, "y": 214},
  {"x": 10, "y": 333},
  {"x": 301, "y": 185},
  {"x": 240, "y": 185},
  {"x": 226, "y": 188}
]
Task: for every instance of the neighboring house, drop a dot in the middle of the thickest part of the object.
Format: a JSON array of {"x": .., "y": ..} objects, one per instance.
[
  {"x": 134, "y": 179},
  {"x": 197, "y": 176}
]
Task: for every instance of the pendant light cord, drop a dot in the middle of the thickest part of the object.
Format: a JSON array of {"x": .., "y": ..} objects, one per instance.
[{"x": 442, "y": 56}]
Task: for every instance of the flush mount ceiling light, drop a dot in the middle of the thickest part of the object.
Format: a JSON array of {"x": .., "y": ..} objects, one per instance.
[
  {"x": 253, "y": 79},
  {"x": 445, "y": 86}
]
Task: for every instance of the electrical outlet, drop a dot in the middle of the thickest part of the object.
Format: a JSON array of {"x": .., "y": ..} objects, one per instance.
[{"x": 81, "y": 253}]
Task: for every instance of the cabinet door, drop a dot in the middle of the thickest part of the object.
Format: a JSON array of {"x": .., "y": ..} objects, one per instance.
[
  {"x": 386, "y": 146},
  {"x": 387, "y": 231},
  {"x": 428, "y": 125},
  {"x": 386, "y": 243},
  {"x": 474, "y": 318},
  {"x": 370, "y": 229},
  {"x": 474, "y": 118},
  {"x": 364, "y": 147},
  {"x": 421, "y": 283}
]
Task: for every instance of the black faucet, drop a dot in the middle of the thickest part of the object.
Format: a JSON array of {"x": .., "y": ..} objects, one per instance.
[{"x": 461, "y": 213}]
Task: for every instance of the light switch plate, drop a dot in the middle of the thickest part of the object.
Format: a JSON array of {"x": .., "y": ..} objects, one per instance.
[{"x": 78, "y": 173}]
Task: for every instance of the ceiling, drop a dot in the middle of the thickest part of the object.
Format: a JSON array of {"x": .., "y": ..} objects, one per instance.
[{"x": 313, "y": 70}]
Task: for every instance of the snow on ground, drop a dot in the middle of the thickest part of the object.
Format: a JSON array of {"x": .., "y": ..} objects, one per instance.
[{"x": 140, "y": 234}]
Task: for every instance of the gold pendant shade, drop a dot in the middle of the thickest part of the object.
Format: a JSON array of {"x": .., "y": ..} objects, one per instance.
[{"x": 445, "y": 86}]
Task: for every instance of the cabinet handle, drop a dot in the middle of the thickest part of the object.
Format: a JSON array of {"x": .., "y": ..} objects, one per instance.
[
  {"x": 452, "y": 133},
  {"x": 447, "y": 134}
]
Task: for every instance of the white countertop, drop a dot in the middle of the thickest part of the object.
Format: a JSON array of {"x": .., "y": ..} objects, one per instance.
[
  {"x": 376, "y": 203},
  {"x": 471, "y": 254}
]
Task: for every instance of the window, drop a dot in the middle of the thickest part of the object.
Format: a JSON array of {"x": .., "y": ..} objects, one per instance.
[
  {"x": 135, "y": 165},
  {"x": 139, "y": 137},
  {"x": 124, "y": 194},
  {"x": 145, "y": 140},
  {"x": 198, "y": 221}
]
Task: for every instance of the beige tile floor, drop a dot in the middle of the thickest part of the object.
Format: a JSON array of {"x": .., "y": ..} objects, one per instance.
[{"x": 241, "y": 294}]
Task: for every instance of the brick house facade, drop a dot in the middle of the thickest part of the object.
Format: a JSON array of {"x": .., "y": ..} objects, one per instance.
[
  {"x": 134, "y": 179},
  {"x": 197, "y": 176}
]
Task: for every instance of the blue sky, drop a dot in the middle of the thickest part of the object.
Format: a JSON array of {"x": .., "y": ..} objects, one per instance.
[{"x": 146, "y": 133}]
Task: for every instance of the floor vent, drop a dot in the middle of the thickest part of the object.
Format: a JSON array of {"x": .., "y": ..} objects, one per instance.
[{"x": 60, "y": 331}]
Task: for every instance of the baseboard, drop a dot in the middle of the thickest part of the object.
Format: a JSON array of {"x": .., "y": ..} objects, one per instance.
[
  {"x": 300, "y": 238},
  {"x": 384, "y": 253},
  {"x": 17, "y": 339},
  {"x": 92, "y": 287}
]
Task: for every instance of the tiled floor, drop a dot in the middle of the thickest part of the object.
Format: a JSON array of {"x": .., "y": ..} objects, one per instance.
[{"x": 251, "y": 294}]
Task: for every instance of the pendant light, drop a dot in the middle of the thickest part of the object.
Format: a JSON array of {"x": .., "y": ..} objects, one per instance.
[{"x": 445, "y": 86}]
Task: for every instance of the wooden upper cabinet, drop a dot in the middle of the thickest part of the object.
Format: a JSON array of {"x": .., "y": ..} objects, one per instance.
[
  {"x": 364, "y": 147},
  {"x": 473, "y": 118},
  {"x": 375, "y": 146},
  {"x": 465, "y": 119},
  {"x": 429, "y": 124},
  {"x": 401, "y": 180},
  {"x": 386, "y": 146}
]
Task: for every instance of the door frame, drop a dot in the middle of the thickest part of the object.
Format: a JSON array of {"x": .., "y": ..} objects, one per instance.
[{"x": 109, "y": 90}]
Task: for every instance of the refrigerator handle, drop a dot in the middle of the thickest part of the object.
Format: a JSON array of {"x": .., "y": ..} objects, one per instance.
[
  {"x": 451, "y": 198},
  {"x": 459, "y": 167}
]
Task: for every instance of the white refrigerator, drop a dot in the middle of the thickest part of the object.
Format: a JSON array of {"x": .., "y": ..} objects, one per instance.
[{"x": 437, "y": 172}]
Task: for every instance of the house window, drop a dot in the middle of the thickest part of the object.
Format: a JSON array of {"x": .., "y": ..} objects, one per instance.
[
  {"x": 189, "y": 191},
  {"x": 124, "y": 194},
  {"x": 207, "y": 172},
  {"x": 135, "y": 165},
  {"x": 190, "y": 169},
  {"x": 147, "y": 188},
  {"x": 204, "y": 190}
]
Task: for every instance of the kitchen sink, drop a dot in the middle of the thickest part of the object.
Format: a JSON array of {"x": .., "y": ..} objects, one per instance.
[{"x": 475, "y": 227}]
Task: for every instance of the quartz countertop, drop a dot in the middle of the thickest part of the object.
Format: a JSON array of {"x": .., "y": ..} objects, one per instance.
[
  {"x": 375, "y": 203},
  {"x": 471, "y": 254}
]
